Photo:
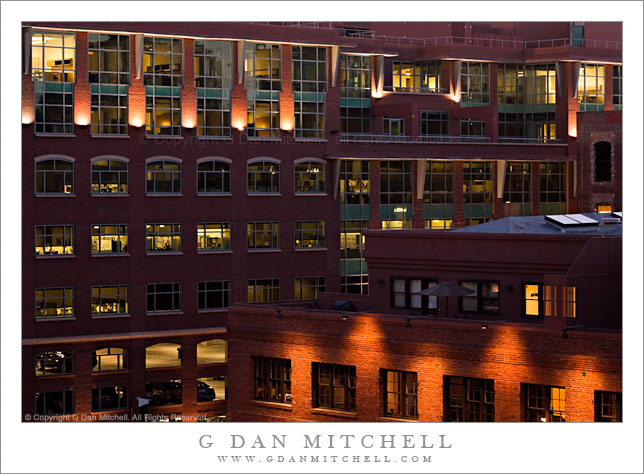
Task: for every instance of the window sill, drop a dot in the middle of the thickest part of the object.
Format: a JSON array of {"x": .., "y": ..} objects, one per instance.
[
  {"x": 163, "y": 194},
  {"x": 56, "y": 135},
  {"x": 216, "y": 139},
  {"x": 398, "y": 420},
  {"x": 109, "y": 195},
  {"x": 55, "y": 195},
  {"x": 163, "y": 313},
  {"x": 213, "y": 252},
  {"x": 109, "y": 135},
  {"x": 264, "y": 194},
  {"x": 56, "y": 318},
  {"x": 336, "y": 413},
  {"x": 163, "y": 137},
  {"x": 48, "y": 257},
  {"x": 214, "y": 194},
  {"x": 149, "y": 254},
  {"x": 276, "y": 405},
  {"x": 263, "y": 139},
  {"x": 110, "y": 316},
  {"x": 110, "y": 372},
  {"x": 212, "y": 310},
  {"x": 311, "y": 194},
  {"x": 54, "y": 376},
  {"x": 264, "y": 250},
  {"x": 310, "y": 140},
  {"x": 310, "y": 249},
  {"x": 216, "y": 401},
  {"x": 112, "y": 254}
]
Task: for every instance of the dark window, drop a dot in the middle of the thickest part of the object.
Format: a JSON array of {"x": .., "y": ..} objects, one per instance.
[
  {"x": 307, "y": 288},
  {"x": 602, "y": 161},
  {"x": 485, "y": 298},
  {"x": 164, "y": 297},
  {"x": 468, "y": 399},
  {"x": 552, "y": 188},
  {"x": 334, "y": 386},
  {"x": 164, "y": 393},
  {"x": 55, "y": 403},
  {"x": 54, "y": 177},
  {"x": 434, "y": 122},
  {"x": 405, "y": 293},
  {"x": 272, "y": 379},
  {"x": 54, "y": 363},
  {"x": 400, "y": 394},
  {"x": 608, "y": 406},
  {"x": 264, "y": 177},
  {"x": 213, "y": 294},
  {"x": 543, "y": 403},
  {"x": 163, "y": 177},
  {"x": 516, "y": 193},
  {"x": 109, "y": 398},
  {"x": 213, "y": 177}
]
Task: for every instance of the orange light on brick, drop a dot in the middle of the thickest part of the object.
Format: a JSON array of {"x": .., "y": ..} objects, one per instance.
[
  {"x": 82, "y": 119},
  {"x": 455, "y": 98},
  {"x": 572, "y": 129},
  {"x": 189, "y": 122},
  {"x": 136, "y": 120},
  {"x": 286, "y": 124},
  {"x": 27, "y": 116}
]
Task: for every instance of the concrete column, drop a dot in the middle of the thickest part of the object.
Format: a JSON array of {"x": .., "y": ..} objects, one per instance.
[
  {"x": 419, "y": 169},
  {"x": 374, "y": 221}
]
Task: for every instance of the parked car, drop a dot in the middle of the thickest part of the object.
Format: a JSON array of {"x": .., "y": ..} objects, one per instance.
[{"x": 205, "y": 393}]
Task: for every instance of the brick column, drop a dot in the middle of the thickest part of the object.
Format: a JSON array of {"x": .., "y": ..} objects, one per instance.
[
  {"x": 189, "y": 91},
  {"x": 82, "y": 91},
  {"x": 83, "y": 382},
  {"x": 136, "y": 94},
  {"x": 136, "y": 364},
  {"x": 189, "y": 380},
  {"x": 534, "y": 189},
  {"x": 508, "y": 406},
  {"x": 238, "y": 100},
  {"x": 458, "y": 220},
  {"x": 497, "y": 202},
  {"x": 374, "y": 221},
  {"x": 417, "y": 219},
  {"x": 608, "y": 87},
  {"x": 493, "y": 123},
  {"x": 287, "y": 105}
]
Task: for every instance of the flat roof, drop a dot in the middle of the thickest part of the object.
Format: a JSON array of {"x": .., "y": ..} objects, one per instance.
[{"x": 539, "y": 225}]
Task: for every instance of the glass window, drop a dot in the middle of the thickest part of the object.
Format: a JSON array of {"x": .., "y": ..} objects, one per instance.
[
  {"x": 484, "y": 299},
  {"x": 395, "y": 182},
  {"x": 405, "y": 293},
  {"x": 263, "y": 79},
  {"x": 163, "y": 297},
  {"x": 472, "y": 128},
  {"x": 590, "y": 87},
  {"x": 552, "y": 188},
  {"x": 213, "y": 294},
  {"x": 162, "y": 62},
  {"x": 264, "y": 291},
  {"x": 543, "y": 403},
  {"x": 164, "y": 393},
  {"x": 334, "y": 386},
  {"x": 517, "y": 190},
  {"x": 213, "y": 177},
  {"x": 55, "y": 240},
  {"x": 617, "y": 87},
  {"x": 309, "y": 87},
  {"x": 355, "y": 94},
  {"x": 55, "y": 403},
  {"x": 54, "y": 303},
  {"x": 54, "y": 177},
  {"x": 110, "y": 300},
  {"x": 163, "y": 237},
  {"x": 213, "y": 236},
  {"x": 475, "y": 83},
  {"x": 603, "y": 160},
  {"x": 109, "y": 398},
  {"x": 213, "y": 79},
  {"x": 400, "y": 394},
  {"x": 109, "y": 239},
  {"x": 109, "y": 359},
  {"x": 434, "y": 122},
  {"x": 417, "y": 77},
  {"x": 54, "y": 108},
  {"x": 163, "y": 354},
  {"x": 109, "y": 74},
  {"x": 109, "y": 177},
  {"x": 210, "y": 389},
  {"x": 53, "y": 56},
  {"x": 608, "y": 406},
  {"x": 468, "y": 399},
  {"x": 54, "y": 363},
  {"x": 307, "y": 288},
  {"x": 393, "y": 127},
  {"x": 272, "y": 379},
  {"x": 477, "y": 191},
  {"x": 212, "y": 351},
  {"x": 354, "y": 181},
  {"x": 354, "y": 277},
  {"x": 263, "y": 235},
  {"x": 310, "y": 177},
  {"x": 264, "y": 177},
  {"x": 310, "y": 234},
  {"x": 163, "y": 177},
  {"x": 438, "y": 195}
]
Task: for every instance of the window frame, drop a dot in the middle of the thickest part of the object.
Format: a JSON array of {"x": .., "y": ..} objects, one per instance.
[
  {"x": 272, "y": 376},
  {"x": 546, "y": 395},
  {"x": 151, "y": 176},
  {"x": 122, "y": 400},
  {"x": 402, "y": 394},
  {"x": 152, "y": 233},
  {"x": 486, "y": 391},
  {"x": 224, "y": 175},
  {"x": 479, "y": 297},
  {"x": 425, "y": 300},
  {"x": 176, "y": 294},
  {"x": 265, "y": 165},
  {"x": 615, "y": 404},
  {"x": 121, "y": 358},
  {"x": 119, "y": 173},
  {"x": 65, "y": 303},
  {"x": 300, "y": 232},
  {"x": 118, "y": 235},
  {"x": 67, "y": 233},
  {"x": 97, "y": 303},
  {"x": 319, "y": 285},
  {"x": 223, "y": 232},
  {"x": 273, "y": 232},
  {"x": 268, "y": 286},
  {"x": 45, "y": 172},
  {"x": 346, "y": 372},
  {"x": 426, "y": 120},
  {"x": 224, "y": 293},
  {"x": 68, "y": 404},
  {"x": 67, "y": 363},
  {"x": 319, "y": 181}
]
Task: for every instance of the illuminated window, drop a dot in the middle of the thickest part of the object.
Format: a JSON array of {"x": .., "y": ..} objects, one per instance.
[
  {"x": 400, "y": 394},
  {"x": 475, "y": 83},
  {"x": 484, "y": 299},
  {"x": 109, "y": 176},
  {"x": 108, "y": 300},
  {"x": 310, "y": 235},
  {"x": 163, "y": 176},
  {"x": 307, "y": 288},
  {"x": 212, "y": 351},
  {"x": 393, "y": 127},
  {"x": 54, "y": 240},
  {"x": 516, "y": 192},
  {"x": 109, "y": 398},
  {"x": 552, "y": 188},
  {"x": 163, "y": 237},
  {"x": 163, "y": 297},
  {"x": 395, "y": 224},
  {"x": 214, "y": 81},
  {"x": 608, "y": 406},
  {"x": 108, "y": 239},
  {"x": 163, "y": 79},
  {"x": 54, "y": 363},
  {"x": 210, "y": 389},
  {"x": 272, "y": 379},
  {"x": 355, "y": 94},
  {"x": 213, "y": 177},
  {"x": 163, "y": 354},
  {"x": 434, "y": 123},
  {"x": 477, "y": 191},
  {"x": 468, "y": 399},
  {"x": 108, "y": 359},
  {"x": 213, "y": 237},
  {"x": 53, "y": 56},
  {"x": 420, "y": 77},
  {"x": 603, "y": 160},
  {"x": 264, "y": 177},
  {"x": 604, "y": 208},
  {"x": 213, "y": 294},
  {"x": 590, "y": 87},
  {"x": 354, "y": 182},
  {"x": 164, "y": 393},
  {"x": 354, "y": 276},
  {"x": 263, "y": 235},
  {"x": 334, "y": 386},
  {"x": 264, "y": 291},
  {"x": 438, "y": 195},
  {"x": 310, "y": 177},
  {"x": 54, "y": 177},
  {"x": 309, "y": 88},
  {"x": 405, "y": 293},
  {"x": 54, "y": 303},
  {"x": 543, "y": 403},
  {"x": 617, "y": 87},
  {"x": 109, "y": 76},
  {"x": 263, "y": 80},
  {"x": 55, "y": 403},
  {"x": 533, "y": 299}
]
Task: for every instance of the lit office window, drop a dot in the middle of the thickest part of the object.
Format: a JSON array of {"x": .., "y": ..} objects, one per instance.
[
  {"x": 54, "y": 177},
  {"x": 355, "y": 94},
  {"x": 263, "y": 78},
  {"x": 307, "y": 288},
  {"x": 590, "y": 87},
  {"x": 543, "y": 403},
  {"x": 310, "y": 177},
  {"x": 163, "y": 237},
  {"x": 400, "y": 393},
  {"x": 309, "y": 88},
  {"x": 475, "y": 83},
  {"x": 109, "y": 359},
  {"x": 213, "y": 236},
  {"x": 109, "y": 176},
  {"x": 54, "y": 303},
  {"x": 264, "y": 291},
  {"x": 110, "y": 300},
  {"x": 54, "y": 240},
  {"x": 110, "y": 238},
  {"x": 310, "y": 234},
  {"x": 214, "y": 80},
  {"x": 54, "y": 363},
  {"x": 417, "y": 77},
  {"x": 263, "y": 235}
]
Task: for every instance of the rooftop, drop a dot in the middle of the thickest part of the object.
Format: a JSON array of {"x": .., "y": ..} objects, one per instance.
[{"x": 540, "y": 225}]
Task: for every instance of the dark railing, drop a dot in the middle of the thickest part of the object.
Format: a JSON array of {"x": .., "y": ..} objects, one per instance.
[{"x": 416, "y": 90}]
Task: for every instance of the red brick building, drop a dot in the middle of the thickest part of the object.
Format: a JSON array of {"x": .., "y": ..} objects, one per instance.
[{"x": 277, "y": 146}]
